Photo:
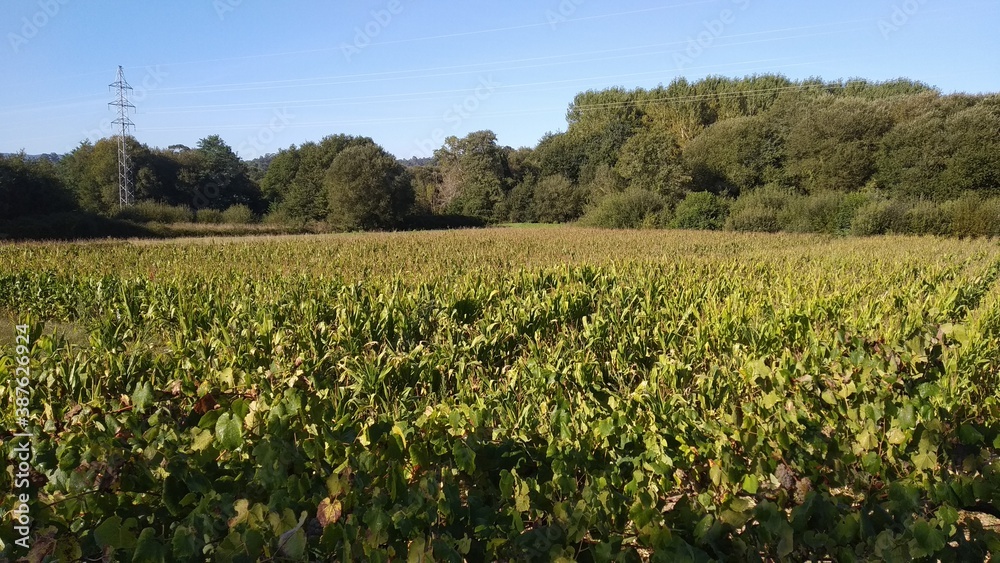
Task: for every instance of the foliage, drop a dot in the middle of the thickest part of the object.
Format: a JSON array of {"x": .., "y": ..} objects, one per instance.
[
  {"x": 651, "y": 160},
  {"x": 30, "y": 188},
  {"x": 824, "y": 212},
  {"x": 736, "y": 155},
  {"x": 557, "y": 200},
  {"x": 238, "y": 215},
  {"x": 972, "y": 215},
  {"x": 701, "y": 211},
  {"x": 759, "y": 210},
  {"x": 210, "y": 216},
  {"x": 295, "y": 182},
  {"x": 153, "y": 212},
  {"x": 367, "y": 189},
  {"x": 510, "y": 395},
  {"x": 833, "y": 145},
  {"x": 879, "y": 217},
  {"x": 630, "y": 209},
  {"x": 69, "y": 225},
  {"x": 475, "y": 175}
]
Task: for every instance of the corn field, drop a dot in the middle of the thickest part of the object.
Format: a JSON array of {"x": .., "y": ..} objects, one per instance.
[{"x": 516, "y": 395}]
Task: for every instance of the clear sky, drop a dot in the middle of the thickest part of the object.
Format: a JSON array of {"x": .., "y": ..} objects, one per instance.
[{"x": 265, "y": 74}]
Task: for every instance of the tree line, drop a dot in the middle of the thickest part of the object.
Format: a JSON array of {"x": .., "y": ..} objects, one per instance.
[{"x": 762, "y": 153}]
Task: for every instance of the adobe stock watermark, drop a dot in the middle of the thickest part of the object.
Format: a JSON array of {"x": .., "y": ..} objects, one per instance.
[
  {"x": 255, "y": 145},
  {"x": 901, "y": 15},
  {"x": 223, "y": 7},
  {"x": 457, "y": 114},
  {"x": 31, "y": 27},
  {"x": 563, "y": 12},
  {"x": 364, "y": 35},
  {"x": 714, "y": 29},
  {"x": 152, "y": 80}
]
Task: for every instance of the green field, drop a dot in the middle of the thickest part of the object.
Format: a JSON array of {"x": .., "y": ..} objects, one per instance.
[{"x": 507, "y": 394}]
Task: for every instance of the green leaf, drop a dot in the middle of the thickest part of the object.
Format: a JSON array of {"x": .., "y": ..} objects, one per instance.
[
  {"x": 703, "y": 526},
  {"x": 521, "y": 500},
  {"x": 202, "y": 441},
  {"x": 465, "y": 458},
  {"x": 750, "y": 484},
  {"x": 142, "y": 397},
  {"x": 147, "y": 548},
  {"x": 184, "y": 543},
  {"x": 229, "y": 431},
  {"x": 970, "y": 436},
  {"x": 418, "y": 551},
  {"x": 787, "y": 542},
  {"x": 113, "y": 533},
  {"x": 927, "y": 540},
  {"x": 925, "y": 460}
]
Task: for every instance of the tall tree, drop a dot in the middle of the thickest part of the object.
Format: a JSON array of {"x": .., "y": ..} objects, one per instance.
[
  {"x": 475, "y": 174},
  {"x": 736, "y": 155},
  {"x": 224, "y": 180},
  {"x": 651, "y": 160},
  {"x": 834, "y": 144},
  {"x": 367, "y": 189}
]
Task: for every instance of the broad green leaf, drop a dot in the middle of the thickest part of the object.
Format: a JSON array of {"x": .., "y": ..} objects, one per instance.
[
  {"x": 143, "y": 397},
  {"x": 229, "y": 431},
  {"x": 116, "y": 534},
  {"x": 148, "y": 548}
]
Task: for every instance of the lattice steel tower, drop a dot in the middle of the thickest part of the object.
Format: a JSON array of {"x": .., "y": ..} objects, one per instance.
[{"x": 123, "y": 90}]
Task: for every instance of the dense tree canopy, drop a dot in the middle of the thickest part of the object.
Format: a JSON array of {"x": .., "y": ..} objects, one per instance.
[
  {"x": 367, "y": 189},
  {"x": 846, "y": 146},
  {"x": 31, "y": 187}
]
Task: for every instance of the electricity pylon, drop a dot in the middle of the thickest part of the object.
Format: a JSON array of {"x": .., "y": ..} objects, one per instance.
[{"x": 123, "y": 90}]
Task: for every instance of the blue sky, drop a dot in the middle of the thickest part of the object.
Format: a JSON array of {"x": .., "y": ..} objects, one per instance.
[{"x": 408, "y": 73}]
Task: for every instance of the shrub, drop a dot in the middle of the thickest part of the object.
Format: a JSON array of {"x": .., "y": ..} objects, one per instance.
[
  {"x": 154, "y": 212},
  {"x": 213, "y": 216},
  {"x": 824, "y": 212},
  {"x": 630, "y": 209},
  {"x": 701, "y": 211},
  {"x": 759, "y": 210},
  {"x": 926, "y": 218},
  {"x": 972, "y": 216},
  {"x": 557, "y": 200},
  {"x": 754, "y": 219},
  {"x": 879, "y": 217},
  {"x": 238, "y": 214}
]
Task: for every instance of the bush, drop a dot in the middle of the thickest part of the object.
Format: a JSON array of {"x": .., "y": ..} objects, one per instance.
[
  {"x": 557, "y": 200},
  {"x": 153, "y": 212},
  {"x": 973, "y": 216},
  {"x": 825, "y": 212},
  {"x": 630, "y": 209},
  {"x": 213, "y": 216},
  {"x": 753, "y": 219},
  {"x": 759, "y": 210},
  {"x": 280, "y": 216},
  {"x": 701, "y": 211},
  {"x": 879, "y": 217},
  {"x": 926, "y": 218},
  {"x": 238, "y": 214}
]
